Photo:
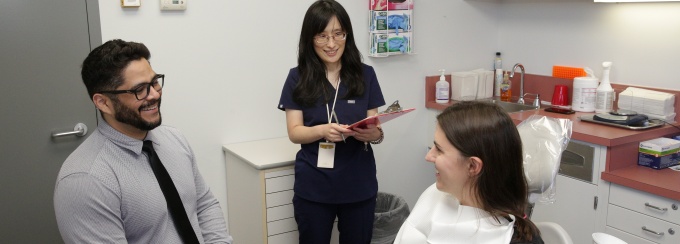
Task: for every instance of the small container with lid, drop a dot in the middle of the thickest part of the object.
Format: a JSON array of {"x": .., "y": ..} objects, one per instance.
[{"x": 584, "y": 92}]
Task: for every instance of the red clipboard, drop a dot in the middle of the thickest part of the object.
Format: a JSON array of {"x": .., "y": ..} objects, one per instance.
[{"x": 383, "y": 118}]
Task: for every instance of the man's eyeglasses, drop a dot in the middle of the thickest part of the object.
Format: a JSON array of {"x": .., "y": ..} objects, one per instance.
[
  {"x": 323, "y": 38},
  {"x": 141, "y": 91}
]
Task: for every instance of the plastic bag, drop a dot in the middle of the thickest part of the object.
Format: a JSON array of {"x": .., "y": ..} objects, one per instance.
[
  {"x": 390, "y": 213},
  {"x": 543, "y": 141}
]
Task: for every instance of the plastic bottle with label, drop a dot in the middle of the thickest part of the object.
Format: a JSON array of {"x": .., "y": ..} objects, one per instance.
[
  {"x": 442, "y": 86},
  {"x": 604, "y": 101},
  {"x": 506, "y": 92}
]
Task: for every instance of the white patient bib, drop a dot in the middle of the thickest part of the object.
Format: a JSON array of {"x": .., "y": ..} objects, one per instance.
[{"x": 439, "y": 218}]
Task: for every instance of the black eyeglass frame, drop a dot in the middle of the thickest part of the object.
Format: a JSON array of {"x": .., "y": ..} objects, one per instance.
[{"x": 136, "y": 90}]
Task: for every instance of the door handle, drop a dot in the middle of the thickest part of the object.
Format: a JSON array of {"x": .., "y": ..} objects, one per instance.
[{"x": 79, "y": 130}]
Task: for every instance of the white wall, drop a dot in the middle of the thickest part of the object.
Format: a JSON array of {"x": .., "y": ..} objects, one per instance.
[
  {"x": 641, "y": 39},
  {"x": 226, "y": 61}
]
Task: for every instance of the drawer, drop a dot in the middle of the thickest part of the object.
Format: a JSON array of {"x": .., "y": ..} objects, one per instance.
[
  {"x": 277, "y": 184},
  {"x": 646, "y": 203},
  {"x": 634, "y": 222},
  {"x": 280, "y": 212},
  {"x": 281, "y": 226},
  {"x": 626, "y": 236},
  {"x": 279, "y": 173},
  {"x": 280, "y": 198},
  {"x": 284, "y": 238}
]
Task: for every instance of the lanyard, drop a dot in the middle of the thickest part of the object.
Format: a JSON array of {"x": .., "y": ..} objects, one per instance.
[{"x": 332, "y": 111}]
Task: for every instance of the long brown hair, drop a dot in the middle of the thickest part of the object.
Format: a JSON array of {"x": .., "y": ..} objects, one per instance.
[{"x": 484, "y": 130}]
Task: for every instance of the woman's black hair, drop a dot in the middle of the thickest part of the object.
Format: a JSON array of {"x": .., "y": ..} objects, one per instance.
[{"x": 313, "y": 83}]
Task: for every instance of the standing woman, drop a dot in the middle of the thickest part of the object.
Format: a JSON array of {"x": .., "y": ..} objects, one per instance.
[{"x": 335, "y": 173}]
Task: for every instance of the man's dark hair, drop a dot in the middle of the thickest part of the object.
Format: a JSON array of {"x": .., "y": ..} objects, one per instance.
[{"x": 103, "y": 67}]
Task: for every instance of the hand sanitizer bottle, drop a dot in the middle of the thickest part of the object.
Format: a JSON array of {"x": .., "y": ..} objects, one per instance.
[
  {"x": 442, "y": 86},
  {"x": 604, "y": 100}
]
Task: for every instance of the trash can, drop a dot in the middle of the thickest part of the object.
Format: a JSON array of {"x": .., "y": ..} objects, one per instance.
[{"x": 390, "y": 212}]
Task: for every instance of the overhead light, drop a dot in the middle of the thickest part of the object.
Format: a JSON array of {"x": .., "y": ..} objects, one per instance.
[{"x": 633, "y": 1}]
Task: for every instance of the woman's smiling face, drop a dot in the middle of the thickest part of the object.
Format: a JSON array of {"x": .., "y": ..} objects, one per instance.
[{"x": 331, "y": 51}]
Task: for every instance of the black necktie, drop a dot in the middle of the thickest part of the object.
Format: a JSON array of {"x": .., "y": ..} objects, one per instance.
[{"x": 175, "y": 207}]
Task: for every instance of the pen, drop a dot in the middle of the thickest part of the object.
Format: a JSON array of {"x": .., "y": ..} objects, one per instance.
[{"x": 337, "y": 121}]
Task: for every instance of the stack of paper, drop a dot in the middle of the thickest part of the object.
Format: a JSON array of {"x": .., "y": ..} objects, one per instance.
[{"x": 655, "y": 104}]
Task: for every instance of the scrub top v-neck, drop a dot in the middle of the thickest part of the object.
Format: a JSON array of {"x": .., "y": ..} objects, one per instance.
[{"x": 353, "y": 178}]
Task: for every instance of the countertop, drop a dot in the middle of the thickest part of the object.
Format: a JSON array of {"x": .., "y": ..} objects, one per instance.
[
  {"x": 622, "y": 144},
  {"x": 265, "y": 154}
]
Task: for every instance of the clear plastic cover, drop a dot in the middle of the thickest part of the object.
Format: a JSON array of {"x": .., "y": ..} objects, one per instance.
[{"x": 543, "y": 141}]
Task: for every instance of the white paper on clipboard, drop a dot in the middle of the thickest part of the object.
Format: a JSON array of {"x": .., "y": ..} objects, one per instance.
[{"x": 383, "y": 118}]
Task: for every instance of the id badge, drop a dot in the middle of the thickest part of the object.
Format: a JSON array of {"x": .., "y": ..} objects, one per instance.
[{"x": 326, "y": 155}]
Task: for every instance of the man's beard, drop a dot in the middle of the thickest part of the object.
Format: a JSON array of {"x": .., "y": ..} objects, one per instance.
[{"x": 128, "y": 116}]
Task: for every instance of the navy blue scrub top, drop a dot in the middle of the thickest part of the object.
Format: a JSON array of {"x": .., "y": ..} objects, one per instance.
[{"x": 353, "y": 177}]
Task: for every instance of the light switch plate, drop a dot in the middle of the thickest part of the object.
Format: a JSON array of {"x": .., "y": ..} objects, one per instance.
[
  {"x": 130, "y": 3},
  {"x": 173, "y": 4}
]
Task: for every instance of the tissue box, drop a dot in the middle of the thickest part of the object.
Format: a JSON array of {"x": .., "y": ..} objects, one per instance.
[
  {"x": 464, "y": 85},
  {"x": 659, "y": 153},
  {"x": 390, "y": 5},
  {"x": 390, "y": 43},
  {"x": 485, "y": 83},
  {"x": 394, "y": 21}
]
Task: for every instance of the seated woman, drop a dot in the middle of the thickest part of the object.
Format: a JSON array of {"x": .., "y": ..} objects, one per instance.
[{"x": 480, "y": 194}]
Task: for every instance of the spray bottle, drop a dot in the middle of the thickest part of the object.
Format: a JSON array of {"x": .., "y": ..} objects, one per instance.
[
  {"x": 605, "y": 93},
  {"x": 442, "y": 86}
]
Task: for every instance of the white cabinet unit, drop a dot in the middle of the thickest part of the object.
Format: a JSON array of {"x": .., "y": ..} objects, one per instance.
[
  {"x": 642, "y": 215},
  {"x": 577, "y": 198},
  {"x": 260, "y": 178}
]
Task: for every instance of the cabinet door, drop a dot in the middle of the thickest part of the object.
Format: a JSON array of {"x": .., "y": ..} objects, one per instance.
[{"x": 573, "y": 208}]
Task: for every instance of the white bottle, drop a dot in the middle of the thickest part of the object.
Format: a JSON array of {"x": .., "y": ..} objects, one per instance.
[
  {"x": 442, "y": 86},
  {"x": 605, "y": 93},
  {"x": 497, "y": 83}
]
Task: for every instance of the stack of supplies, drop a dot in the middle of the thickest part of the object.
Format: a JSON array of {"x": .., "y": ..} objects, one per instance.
[
  {"x": 655, "y": 104},
  {"x": 389, "y": 27},
  {"x": 471, "y": 85},
  {"x": 659, "y": 153}
]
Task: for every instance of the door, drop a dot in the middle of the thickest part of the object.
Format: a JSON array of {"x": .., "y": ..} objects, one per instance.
[{"x": 42, "y": 45}]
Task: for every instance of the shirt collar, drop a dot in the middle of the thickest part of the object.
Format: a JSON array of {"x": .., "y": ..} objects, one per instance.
[{"x": 122, "y": 140}]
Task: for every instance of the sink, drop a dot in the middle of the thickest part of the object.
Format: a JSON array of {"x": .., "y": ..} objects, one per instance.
[{"x": 510, "y": 107}]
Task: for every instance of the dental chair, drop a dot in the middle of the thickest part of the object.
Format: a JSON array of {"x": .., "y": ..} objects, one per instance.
[{"x": 543, "y": 141}]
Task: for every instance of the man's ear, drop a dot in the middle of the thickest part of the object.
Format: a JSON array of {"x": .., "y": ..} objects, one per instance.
[
  {"x": 475, "y": 166},
  {"x": 103, "y": 103}
]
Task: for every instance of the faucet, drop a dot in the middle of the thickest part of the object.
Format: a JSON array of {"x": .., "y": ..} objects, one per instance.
[{"x": 521, "y": 81}]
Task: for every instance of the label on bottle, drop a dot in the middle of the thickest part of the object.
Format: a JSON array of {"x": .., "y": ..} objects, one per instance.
[
  {"x": 442, "y": 93},
  {"x": 605, "y": 101}
]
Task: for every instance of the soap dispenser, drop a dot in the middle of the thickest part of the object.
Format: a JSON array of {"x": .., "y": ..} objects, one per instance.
[
  {"x": 604, "y": 101},
  {"x": 442, "y": 86}
]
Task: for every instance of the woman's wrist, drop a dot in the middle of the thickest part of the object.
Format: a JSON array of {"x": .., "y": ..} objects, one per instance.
[{"x": 380, "y": 139}]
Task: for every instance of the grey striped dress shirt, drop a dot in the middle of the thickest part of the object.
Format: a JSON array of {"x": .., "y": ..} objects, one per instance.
[{"x": 106, "y": 191}]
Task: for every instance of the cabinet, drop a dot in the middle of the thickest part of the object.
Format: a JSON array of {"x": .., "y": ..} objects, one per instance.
[
  {"x": 260, "y": 178},
  {"x": 576, "y": 207},
  {"x": 640, "y": 215}
]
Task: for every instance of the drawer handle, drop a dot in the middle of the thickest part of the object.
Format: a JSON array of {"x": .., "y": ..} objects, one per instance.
[
  {"x": 651, "y": 231},
  {"x": 655, "y": 207}
]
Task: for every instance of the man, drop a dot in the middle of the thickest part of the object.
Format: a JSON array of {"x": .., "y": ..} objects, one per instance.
[{"x": 107, "y": 191}]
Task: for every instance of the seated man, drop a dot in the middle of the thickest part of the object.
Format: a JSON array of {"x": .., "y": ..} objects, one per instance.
[{"x": 133, "y": 180}]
